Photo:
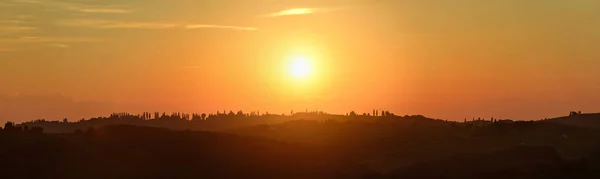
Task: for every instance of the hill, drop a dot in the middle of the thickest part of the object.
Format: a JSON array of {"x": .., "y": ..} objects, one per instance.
[
  {"x": 519, "y": 162},
  {"x": 386, "y": 144},
  {"x": 580, "y": 120},
  {"x": 143, "y": 152},
  {"x": 299, "y": 146}
]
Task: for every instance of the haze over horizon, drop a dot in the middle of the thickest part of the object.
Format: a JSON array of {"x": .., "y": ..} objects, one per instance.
[{"x": 448, "y": 59}]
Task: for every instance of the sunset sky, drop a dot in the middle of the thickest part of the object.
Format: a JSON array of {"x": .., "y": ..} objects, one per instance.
[{"x": 449, "y": 59}]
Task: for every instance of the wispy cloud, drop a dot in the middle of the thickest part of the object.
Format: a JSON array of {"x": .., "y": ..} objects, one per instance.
[
  {"x": 76, "y": 7},
  {"x": 103, "y": 10},
  {"x": 15, "y": 26},
  {"x": 60, "y": 45},
  {"x": 294, "y": 11},
  {"x": 24, "y": 43},
  {"x": 10, "y": 21},
  {"x": 299, "y": 11},
  {"x": 107, "y": 24},
  {"x": 52, "y": 39},
  {"x": 26, "y": 1},
  {"x": 25, "y": 16},
  {"x": 201, "y": 26},
  {"x": 15, "y": 29}
]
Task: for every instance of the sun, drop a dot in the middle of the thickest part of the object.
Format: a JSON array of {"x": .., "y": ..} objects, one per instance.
[{"x": 300, "y": 67}]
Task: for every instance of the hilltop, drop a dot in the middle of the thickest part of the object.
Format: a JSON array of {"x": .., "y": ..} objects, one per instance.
[{"x": 591, "y": 120}]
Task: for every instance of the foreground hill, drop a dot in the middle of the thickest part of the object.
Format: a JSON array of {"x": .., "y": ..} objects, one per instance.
[
  {"x": 144, "y": 152},
  {"x": 300, "y": 146},
  {"x": 519, "y": 162},
  {"x": 579, "y": 120},
  {"x": 306, "y": 149},
  {"x": 141, "y": 152},
  {"x": 387, "y": 144}
]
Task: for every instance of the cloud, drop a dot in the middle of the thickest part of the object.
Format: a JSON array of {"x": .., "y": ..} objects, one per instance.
[
  {"x": 107, "y": 24},
  {"x": 299, "y": 11},
  {"x": 11, "y": 21},
  {"x": 49, "y": 39},
  {"x": 76, "y": 7},
  {"x": 60, "y": 45},
  {"x": 102, "y": 10},
  {"x": 26, "y": 1},
  {"x": 294, "y": 11},
  {"x": 25, "y": 16},
  {"x": 201, "y": 26},
  {"x": 15, "y": 29}
]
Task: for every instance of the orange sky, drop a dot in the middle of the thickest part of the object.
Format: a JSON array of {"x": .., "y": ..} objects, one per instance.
[{"x": 444, "y": 59}]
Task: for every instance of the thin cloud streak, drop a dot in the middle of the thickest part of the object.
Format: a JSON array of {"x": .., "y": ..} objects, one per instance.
[
  {"x": 300, "y": 11},
  {"x": 102, "y": 10},
  {"x": 52, "y": 39},
  {"x": 55, "y": 42},
  {"x": 26, "y": 1},
  {"x": 60, "y": 45},
  {"x": 76, "y": 7},
  {"x": 201, "y": 26},
  {"x": 11, "y": 21},
  {"x": 15, "y": 29},
  {"x": 294, "y": 11},
  {"x": 106, "y": 24},
  {"x": 25, "y": 16}
]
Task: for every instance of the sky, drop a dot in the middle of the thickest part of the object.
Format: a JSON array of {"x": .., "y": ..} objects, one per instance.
[{"x": 447, "y": 59}]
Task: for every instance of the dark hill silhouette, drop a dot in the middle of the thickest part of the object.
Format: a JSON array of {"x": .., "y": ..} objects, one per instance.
[
  {"x": 519, "y": 162},
  {"x": 581, "y": 120},
  {"x": 214, "y": 122},
  {"x": 142, "y": 152},
  {"x": 179, "y": 121},
  {"x": 302, "y": 145},
  {"x": 386, "y": 144}
]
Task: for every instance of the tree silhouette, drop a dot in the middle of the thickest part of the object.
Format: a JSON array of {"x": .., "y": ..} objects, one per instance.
[
  {"x": 352, "y": 113},
  {"x": 573, "y": 113},
  {"x": 240, "y": 113},
  {"x": 9, "y": 125}
]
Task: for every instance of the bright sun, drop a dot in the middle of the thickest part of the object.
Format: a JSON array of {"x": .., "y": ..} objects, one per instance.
[{"x": 300, "y": 67}]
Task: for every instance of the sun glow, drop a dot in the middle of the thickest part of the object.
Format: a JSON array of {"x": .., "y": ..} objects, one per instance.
[
  {"x": 304, "y": 69},
  {"x": 300, "y": 67}
]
